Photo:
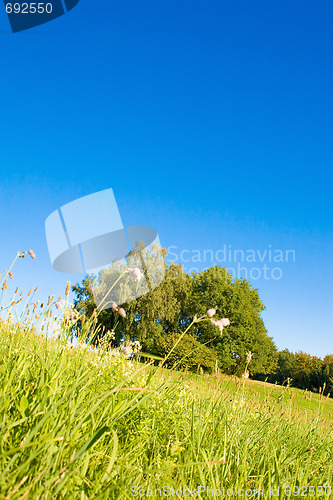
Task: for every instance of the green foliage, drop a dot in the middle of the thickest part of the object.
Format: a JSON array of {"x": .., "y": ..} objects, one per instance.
[
  {"x": 184, "y": 352},
  {"x": 173, "y": 304},
  {"x": 304, "y": 371},
  {"x": 239, "y": 302}
]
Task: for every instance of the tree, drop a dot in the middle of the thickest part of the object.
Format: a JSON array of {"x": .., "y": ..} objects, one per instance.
[
  {"x": 285, "y": 367},
  {"x": 328, "y": 373},
  {"x": 170, "y": 307},
  {"x": 162, "y": 306}
]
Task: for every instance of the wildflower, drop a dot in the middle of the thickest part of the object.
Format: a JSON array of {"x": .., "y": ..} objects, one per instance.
[
  {"x": 249, "y": 357},
  {"x": 225, "y": 321},
  {"x": 126, "y": 350},
  {"x": 122, "y": 312},
  {"x": 114, "y": 307},
  {"x": 10, "y": 275},
  {"x": 210, "y": 313},
  {"x": 216, "y": 323},
  {"x": 58, "y": 305},
  {"x": 136, "y": 274},
  {"x": 32, "y": 254},
  {"x": 246, "y": 375},
  {"x": 220, "y": 323}
]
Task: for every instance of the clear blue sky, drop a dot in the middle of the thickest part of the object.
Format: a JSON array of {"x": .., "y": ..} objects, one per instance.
[{"x": 211, "y": 121}]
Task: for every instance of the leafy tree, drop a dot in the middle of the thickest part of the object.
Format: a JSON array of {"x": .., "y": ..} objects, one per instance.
[
  {"x": 86, "y": 305},
  {"x": 162, "y": 306},
  {"x": 328, "y": 373},
  {"x": 285, "y": 367},
  {"x": 170, "y": 307},
  {"x": 304, "y": 371}
]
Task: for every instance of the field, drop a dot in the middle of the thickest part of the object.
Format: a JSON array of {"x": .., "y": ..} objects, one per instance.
[{"x": 77, "y": 424}]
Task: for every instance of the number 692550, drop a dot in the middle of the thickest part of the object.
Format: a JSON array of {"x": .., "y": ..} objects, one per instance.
[{"x": 29, "y": 8}]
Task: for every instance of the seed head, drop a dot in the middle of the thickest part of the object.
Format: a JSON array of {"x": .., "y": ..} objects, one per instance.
[
  {"x": 32, "y": 254},
  {"x": 136, "y": 274},
  {"x": 126, "y": 350},
  {"x": 122, "y": 312}
]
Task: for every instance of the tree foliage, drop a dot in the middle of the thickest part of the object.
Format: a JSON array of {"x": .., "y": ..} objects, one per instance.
[
  {"x": 184, "y": 352},
  {"x": 156, "y": 317},
  {"x": 304, "y": 371}
]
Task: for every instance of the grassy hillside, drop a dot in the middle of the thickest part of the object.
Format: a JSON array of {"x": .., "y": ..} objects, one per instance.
[
  {"x": 302, "y": 404},
  {"x": 77, "y": 424}
]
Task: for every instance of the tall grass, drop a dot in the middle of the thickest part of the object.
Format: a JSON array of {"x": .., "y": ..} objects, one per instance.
[{"x": 78, "y": 424}]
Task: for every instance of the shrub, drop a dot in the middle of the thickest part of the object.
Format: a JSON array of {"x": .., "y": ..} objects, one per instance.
[{"x": 187, "y": 353}]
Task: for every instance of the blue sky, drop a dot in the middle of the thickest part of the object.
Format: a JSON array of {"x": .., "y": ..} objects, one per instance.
[{"x": 211, "y": 121}]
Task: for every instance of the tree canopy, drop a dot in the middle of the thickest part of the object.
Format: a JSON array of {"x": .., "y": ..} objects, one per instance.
[{"x": 169, "y": 308}]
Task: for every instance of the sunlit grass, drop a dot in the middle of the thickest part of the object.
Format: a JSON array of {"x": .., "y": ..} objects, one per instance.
[
  {"x": 75, "y": 424},
  {"x": 80, "y": 424}
]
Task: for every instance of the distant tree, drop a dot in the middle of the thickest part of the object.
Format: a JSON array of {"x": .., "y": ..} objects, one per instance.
[
  {"x": 307, "y": 371},
  {"x": 328, "y": 373},
  {"x": 285, "y": 367},
  {"x": 304, "y": 371}
]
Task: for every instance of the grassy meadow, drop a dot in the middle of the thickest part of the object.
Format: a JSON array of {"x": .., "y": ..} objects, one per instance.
[
  {"x": 79, "y": 424},
  {"x": 83, "y": 423}
]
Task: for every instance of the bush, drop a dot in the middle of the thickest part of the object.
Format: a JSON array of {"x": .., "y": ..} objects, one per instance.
[{"x": 188, "y": 353}]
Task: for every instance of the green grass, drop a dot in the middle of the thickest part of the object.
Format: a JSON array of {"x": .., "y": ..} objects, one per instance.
[
  {"x": 78, "y": 425},
  {"x": 306, "y": 405}
]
